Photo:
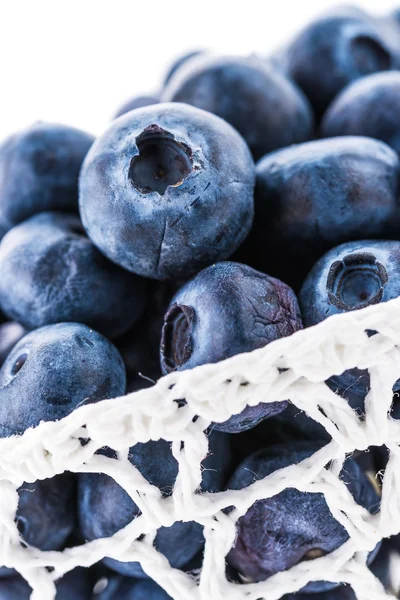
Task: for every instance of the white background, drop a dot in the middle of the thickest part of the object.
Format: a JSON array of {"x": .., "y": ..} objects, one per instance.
[{"x": 75, "y": 61}]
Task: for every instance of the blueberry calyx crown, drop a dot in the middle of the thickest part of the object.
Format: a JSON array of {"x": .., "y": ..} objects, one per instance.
[
  {"x": 176, "y": 338},
  {"x": 356, "y": 281},
  {"x": 162, "y": 161}
]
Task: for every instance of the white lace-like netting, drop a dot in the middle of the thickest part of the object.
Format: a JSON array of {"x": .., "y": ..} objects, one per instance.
[{"x": 215, "y": 392}]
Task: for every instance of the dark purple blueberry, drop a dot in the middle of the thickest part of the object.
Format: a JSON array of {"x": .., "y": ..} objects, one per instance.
[
  {"x": 313, "y": 196},
  {"x": 99, "y": 495},
  {"x": 39, "y": 169},
  {"x": 228, "y": 309},
  {"x": 349, "y": 277},
  {"x": 369, "y": 107},
  {"x": 167, "y": 190},
  {"x": 267, "y": 109},
  {"x": 50, "y": 272},
  {"x": 277, "y": 533},
  {"x": 332, "y": 52}
]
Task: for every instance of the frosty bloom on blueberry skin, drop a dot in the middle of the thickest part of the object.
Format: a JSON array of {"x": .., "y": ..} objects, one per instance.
[
  {"x": 50, "y": 272},
  {"x": 265, "y": 107},
  {"x": 349, "y": 277},
  {"x": 53, "y": 370},
  {"x": 313, "y": 196},
  {"x": 332, "y": 52},
  {"x": 167, "y": 190},
  {"x": 226, "y": 309},
  {"x": 39, "y": 169}
]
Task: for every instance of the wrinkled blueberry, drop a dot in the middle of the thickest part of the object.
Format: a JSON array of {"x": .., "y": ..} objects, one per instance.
[
  {"x": 227, "y": 309},
  {"x": 53, "y": 370},
  {"x": 368, "y": 107},
  {"x": 349, "y": 277},
  {"x": 167, "y": 190},
  {"x": 313, "y": 196},
  {"x": 75, "y": 585},
  {"x": 277, "y": 533},
  {"x": 50, "y": 272},
  {"x": 10, "y": 333},
  {"x": 124, "y": 588},
  {"x": 267, "y": 109},
  {"x": 39, "y": 169},
  {"x": 332, "y": 52},
  {"x": 180, "y": 62},
  {"x": 137, "y": 102},
  {"x": 99, "y": 495},
  {"x": 46, "y": 513}
]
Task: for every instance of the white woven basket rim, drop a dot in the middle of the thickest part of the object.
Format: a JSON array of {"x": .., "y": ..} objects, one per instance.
[{"x": 294, "y": 367}]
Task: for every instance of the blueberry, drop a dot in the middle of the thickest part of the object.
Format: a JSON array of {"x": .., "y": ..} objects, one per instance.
[
  {"x": 167, "y": 190},
  {"x": 267, "y": 109},
  {"x": 368, "y": 107},
  {"x": 180, "y": 62},
  {"x": 313, "y": 196},
  {"x": 379, "y": 567},
  {"x": 45, "y": 515},
  {"x": 53, "y": 370},
  {"x": 389, "y": 29},
  {"x": 227, "y": 309},
  {"x": 39, "y": 169},
  {"x": 287, "y": 427},
  {"x": 277, "y": 533},
  {"x": 349, "y": 277},
  {"x": 137, "y": 102},
  {"x": 75, "y": 585},
  {"x": 140, "y": 346},
  {"x": 10, "y": 333},
  {"x": 99, "y": 495},
  {"x": 124, "y": 588},
  {"x": 332, "y": 52},
  {"x": 343, "y": 592},
  {"x": 50, "y": 272},
  {"x": 146, "y": 590}
]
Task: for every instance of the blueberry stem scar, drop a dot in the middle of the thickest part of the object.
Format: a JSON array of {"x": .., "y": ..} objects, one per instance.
[
  {"x": 356, "y": 281},
  {"x": 162, "y": 161},
  {"x": 176, "y": 341}
]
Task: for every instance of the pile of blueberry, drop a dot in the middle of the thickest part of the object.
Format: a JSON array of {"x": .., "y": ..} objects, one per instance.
[{"x": 251, "y": 198}]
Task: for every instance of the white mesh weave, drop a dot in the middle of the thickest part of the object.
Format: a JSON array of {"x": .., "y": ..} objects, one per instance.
[{"x": 215, "y": 392}]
